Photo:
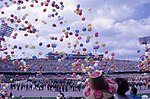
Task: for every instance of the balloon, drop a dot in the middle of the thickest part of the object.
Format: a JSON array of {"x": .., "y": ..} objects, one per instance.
[
  {"x": 20, "y": 48},
  {"x": 40, "y": 44},
  {"x": 138, "y": 51},
  {"x": 78, "y": 6},
  {"x": 77, "y": 31},
  {"x": 112, "y": 54},
  {"x": 96, "y": 34},
  {"x": 15, "y": 46},
  {"x": 68, "y": 28},
  {"x": 59, "y": 60},
  {"x": 96, "y": 42},
  {"x": 48, "y": 45},
  {"x": 84, "y": 29},
  {"x": 40, "y": 53},
  {"x": 103, "y": 45},
  {"x": 81, "y": 45},
  {"x": 14, "y": 37},
  {"x": 54, "y": 25},
  {"x": 106, "y": 52},
  {"x": 37, "y": 35},
  {"x": 76, "y": 34},
  {"x": 83, "y": 19},
  {"x": 87, "y": 41}
]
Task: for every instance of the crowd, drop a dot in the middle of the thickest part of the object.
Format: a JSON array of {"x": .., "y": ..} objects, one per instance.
[
  {"x": 54, "y": 83},
  {"x": 67, "y": 65}
]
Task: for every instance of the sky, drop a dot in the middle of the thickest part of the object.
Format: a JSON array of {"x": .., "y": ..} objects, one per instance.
[{"x": 119, "y": 23}]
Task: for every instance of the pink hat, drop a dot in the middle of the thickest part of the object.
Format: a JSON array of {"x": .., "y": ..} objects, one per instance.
[{"x": 99, "y": 87}]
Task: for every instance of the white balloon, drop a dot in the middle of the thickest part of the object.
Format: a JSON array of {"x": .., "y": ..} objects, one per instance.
[{"x": 59, "y": 60}]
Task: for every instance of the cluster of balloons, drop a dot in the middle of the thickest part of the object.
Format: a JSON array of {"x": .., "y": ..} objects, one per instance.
[{"x": 22, "y": 66}]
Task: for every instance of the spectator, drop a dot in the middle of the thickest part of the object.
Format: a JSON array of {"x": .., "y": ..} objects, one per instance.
[
  {"x": 145, "y": 97},
  {"x": 123, "y": 87},
  {"x": 60, "y": 96},
  {"x": 99, "y": 87},
  {"x": 133, "y": 93}
]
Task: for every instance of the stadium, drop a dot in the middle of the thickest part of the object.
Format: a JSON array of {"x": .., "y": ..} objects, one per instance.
[{"x": 52, "y": 49}]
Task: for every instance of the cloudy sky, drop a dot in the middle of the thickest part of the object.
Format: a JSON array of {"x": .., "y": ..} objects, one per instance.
[{"x": 119, "y": 23}]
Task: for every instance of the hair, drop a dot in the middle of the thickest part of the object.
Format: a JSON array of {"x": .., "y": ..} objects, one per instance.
[
  {"x": 134, "y": 90},
  {"x": 123, "y": 86}
]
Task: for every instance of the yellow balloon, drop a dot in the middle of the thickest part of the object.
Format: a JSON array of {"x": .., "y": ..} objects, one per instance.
[
  {"x": 18, "y": 20},
  {"x": 82, "y": 66},
  {"x": 8, "y": 19},
  {"x": 63, "y": 30},
  {"x": 24, "y": 7},
  {"x": 89, "y": 24},
  {"x": 89, "y": 73},
  {"x": 103, "y": 45},
  {"x": 84, "y": 52},
  {"x": 73, "y": 64},
  {"x": 87, "y": 68},
  {"x": 96, "y": 42},
  {"x": 97, "y": 70},
  {"x": 26, "y": 57},
  {"x": 89, "y": 29}
]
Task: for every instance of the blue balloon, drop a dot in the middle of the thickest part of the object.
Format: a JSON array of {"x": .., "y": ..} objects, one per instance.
[
  {"x": 90, "y": 54},
  {"x": 15, "y": 46},
  {"x": 40, "y": 44},
  {"x": 78, "y": 6},
  {"x": 146, "y": 50},
  {"x": 34, "y": 30},
  {"x": 87, "y": 41},
  {"x": 68, "y": 75},
  {"x": 20, "y": 29},
  {"x": 56, "y": 13},
  {"x": 68, "y": 28},
  {"x": 81, "y": 45},
  {"x": 138, "y": 51},
  {"x": 84, "y": 29},
  {"x": 34, "y": 57},
  {"x": 53, "y": 2},
  {"x": 70, "y": 56},
  {"x": 6, "y": 53},
  {"x": 77, "y": 31}
]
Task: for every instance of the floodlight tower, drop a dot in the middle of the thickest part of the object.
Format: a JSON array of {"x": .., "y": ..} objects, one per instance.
[
  {"x": 53, "y": 45},
  {"x": 95, "y": 48}
]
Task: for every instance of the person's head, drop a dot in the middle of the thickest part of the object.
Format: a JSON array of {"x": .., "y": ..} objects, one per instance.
[
  {"x": 60, "y": 96},
  {"x": 99, "y": 87},
  {"x": 123, "y": 86},
  {"x": 133, "y": 90},
  {"x": 145, "y": 97}
]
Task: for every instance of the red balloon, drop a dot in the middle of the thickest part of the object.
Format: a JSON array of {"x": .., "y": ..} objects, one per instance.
[
  {"x": 84, "y": 49},
  {"x": 48, "y": 45},
  {"x": 54, "y": 25}
]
